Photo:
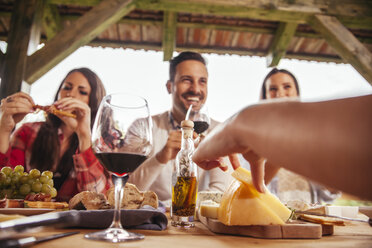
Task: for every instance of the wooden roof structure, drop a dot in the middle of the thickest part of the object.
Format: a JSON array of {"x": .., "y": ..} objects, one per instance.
[{"x": 318, "y": 30}]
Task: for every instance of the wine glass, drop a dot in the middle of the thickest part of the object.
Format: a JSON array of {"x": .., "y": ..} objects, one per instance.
[
  {"x": 201, "y": 119},
  {"x": 121, "y": 140}
]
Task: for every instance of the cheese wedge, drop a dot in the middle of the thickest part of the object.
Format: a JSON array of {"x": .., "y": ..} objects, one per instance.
[
  {"x": 209, "y": 209},
  {"x": 242, "y": 204}
]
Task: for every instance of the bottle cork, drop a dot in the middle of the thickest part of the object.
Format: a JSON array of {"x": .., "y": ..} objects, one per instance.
[{"x": 187, "y": 123}]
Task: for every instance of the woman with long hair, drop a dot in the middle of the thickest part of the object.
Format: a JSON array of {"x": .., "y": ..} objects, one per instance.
[{"x": 61, "y": 144}]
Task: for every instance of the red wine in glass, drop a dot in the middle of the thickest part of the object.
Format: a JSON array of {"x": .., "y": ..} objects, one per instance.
[
  {"x": 120, "y": 163},
  {"x": 200, "y": 126},
  {"x": 121, "y": 141}
]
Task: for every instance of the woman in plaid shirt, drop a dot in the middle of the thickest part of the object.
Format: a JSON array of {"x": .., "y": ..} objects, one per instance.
[{"x": 61, "y": 144}]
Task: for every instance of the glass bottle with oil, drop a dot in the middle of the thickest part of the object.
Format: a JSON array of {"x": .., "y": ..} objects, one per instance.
[{"x": 184, "y": 180}]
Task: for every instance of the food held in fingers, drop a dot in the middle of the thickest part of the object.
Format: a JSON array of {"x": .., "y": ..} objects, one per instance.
[{"x": 53, "y": 110}]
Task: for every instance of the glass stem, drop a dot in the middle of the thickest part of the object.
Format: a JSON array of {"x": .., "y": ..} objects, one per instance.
[{"x": 119, "y": 192}]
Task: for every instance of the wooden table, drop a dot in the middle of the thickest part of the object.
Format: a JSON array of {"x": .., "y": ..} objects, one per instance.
[{"x": 353, "y": 235}]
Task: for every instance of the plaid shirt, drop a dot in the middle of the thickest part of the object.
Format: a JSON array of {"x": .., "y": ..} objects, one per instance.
[{"x": 87, "y": 173}]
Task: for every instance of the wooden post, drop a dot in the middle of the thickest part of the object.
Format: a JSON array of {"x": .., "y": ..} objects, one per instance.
[{"x": 18, "y": 41}]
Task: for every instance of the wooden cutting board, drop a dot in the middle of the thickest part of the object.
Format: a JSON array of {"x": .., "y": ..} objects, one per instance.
[{"x": 298, "y": 230}]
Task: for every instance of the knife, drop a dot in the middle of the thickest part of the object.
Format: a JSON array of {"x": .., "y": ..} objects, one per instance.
[
  {"x": 23, "y": 242},
  {"x": 57, "y": 219},
  {"x": 369, "y": 221}
]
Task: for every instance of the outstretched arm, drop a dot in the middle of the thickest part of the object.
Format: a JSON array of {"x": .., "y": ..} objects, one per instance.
[{"x": 329, "y": 142}]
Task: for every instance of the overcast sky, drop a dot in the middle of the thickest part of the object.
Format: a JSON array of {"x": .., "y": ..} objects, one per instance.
[{"x": 234, "y": 81}]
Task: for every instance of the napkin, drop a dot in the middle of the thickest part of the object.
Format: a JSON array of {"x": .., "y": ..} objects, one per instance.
[{"x": 146, "y": 219}]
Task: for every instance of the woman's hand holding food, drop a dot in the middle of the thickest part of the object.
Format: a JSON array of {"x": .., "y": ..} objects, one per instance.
[
  {"x": 80, "y": 124},
  {"x": 13, "y": 110}
]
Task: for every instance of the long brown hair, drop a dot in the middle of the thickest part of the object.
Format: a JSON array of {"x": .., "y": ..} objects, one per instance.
[{"x": 46, "y": 147}]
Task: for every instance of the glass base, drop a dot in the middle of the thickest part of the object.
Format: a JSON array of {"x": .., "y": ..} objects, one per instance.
[
  {"x": 183, "y": 221},
  {"x": 114, "y": 235}
]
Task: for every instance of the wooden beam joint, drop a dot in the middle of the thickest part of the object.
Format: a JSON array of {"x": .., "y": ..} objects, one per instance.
[
  {"x": 280, "y": 43},
  {"x": 345, "y": 44}
]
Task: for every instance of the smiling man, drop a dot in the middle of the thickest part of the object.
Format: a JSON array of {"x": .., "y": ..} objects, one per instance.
[{"x": 187, "y": 84}]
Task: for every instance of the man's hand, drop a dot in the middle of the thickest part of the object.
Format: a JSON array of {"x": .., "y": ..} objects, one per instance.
[{"x": 171, "y": 148}]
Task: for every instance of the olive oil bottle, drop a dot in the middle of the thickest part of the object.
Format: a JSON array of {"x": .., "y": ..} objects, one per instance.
[{"x": 184, "y": 180}]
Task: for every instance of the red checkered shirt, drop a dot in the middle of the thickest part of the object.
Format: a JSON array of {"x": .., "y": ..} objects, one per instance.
[{"x": 87, "y": 173}]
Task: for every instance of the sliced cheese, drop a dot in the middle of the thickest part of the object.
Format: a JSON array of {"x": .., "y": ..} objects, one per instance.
[
  {"x": 209, "y": 209},
  {"x": 242, "y": 204}
]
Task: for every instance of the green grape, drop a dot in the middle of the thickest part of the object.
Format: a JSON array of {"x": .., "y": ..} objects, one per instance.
[
  {"x": 53, "y": 192},
  {"x": 7, "y": 181},
  {"x": 36, "y": 187},
  {"x": 24, "y": 189},
  {"x": 43, "y": 179},
  {"x": 2, "y": 176},
  {"x": 16, "y": 174},
  {"x": 47, "y": 173},
  {"x": 7, "y": 170},
  {"x": 50, "y": 182},
  {"x": 46, "y": 189},
  {"x": 23, "y": 179},
  {"x": 35, "y": 173},
  {"x": 30, "y": 181},
  {"x": 19, "y": 168},
  {"x": 14, "y": 179}
]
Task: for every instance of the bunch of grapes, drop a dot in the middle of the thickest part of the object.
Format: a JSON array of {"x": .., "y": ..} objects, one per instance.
[{"x": 16, "y": 183}]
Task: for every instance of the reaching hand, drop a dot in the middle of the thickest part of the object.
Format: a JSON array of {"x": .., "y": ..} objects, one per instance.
[{"x": 224, "y": 141}]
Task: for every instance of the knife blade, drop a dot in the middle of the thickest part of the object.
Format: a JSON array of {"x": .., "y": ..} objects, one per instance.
[
  {"x": 57, "y": 219},
  {"x": 23, "y": 242},
  {"x": 369, "y": 221}
]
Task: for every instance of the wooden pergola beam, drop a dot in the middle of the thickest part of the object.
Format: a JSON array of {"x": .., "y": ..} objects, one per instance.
[
  {"x": 51, "y": 21},
  {"x": 280, "y": 43},
  {"x": 18, "y": 42},
  {"x": 210, "y": 26},
  {"x": 79, "y": 34},
  {"x": 169, "y": 34},
  {"x": 345, "y": 44},
  {"x": 353, "y": 14}
]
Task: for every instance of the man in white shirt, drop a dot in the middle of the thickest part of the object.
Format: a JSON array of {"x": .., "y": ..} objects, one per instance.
[{"x": 187, "y": 84}]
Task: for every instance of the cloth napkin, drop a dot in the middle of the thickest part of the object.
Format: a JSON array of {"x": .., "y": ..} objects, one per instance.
[{"x": 146, "y": 219}]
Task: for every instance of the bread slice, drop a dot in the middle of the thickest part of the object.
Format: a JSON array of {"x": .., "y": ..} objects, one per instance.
[
  {"x": 151, "y": 199},
  {"x": 88, "y": 200},
  {"x": 132, "y": 198}
]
